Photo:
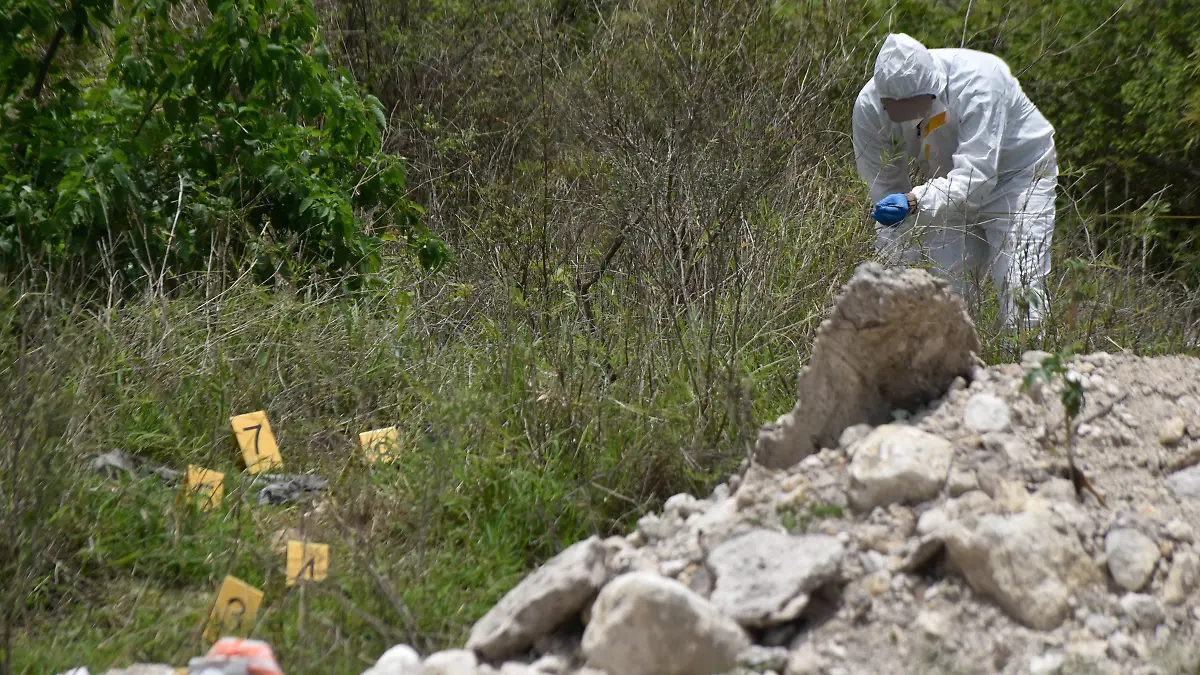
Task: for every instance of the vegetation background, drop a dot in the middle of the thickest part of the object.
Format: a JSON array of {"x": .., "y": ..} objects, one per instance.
[{"x": 574, "y": 251}]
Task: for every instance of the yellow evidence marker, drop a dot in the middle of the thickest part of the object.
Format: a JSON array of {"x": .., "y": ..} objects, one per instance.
[
  {"x": 254, "y": 437},
  {"x": 379, "y": 443},
  {"x": 237, "y": 604},
  {"x": 309, "y": 562},
  {"x": 203, "y": 484}
]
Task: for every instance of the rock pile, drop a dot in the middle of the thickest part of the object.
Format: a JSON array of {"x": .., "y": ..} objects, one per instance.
[{"x": 913, "y": 514}]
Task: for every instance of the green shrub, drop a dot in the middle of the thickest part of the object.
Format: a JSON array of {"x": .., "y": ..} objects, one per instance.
[{"x": 226, "y": 142}]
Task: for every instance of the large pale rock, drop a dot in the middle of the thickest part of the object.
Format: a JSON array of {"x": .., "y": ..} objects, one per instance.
[
  {"x": 1131, "y": 557},
  {"x": 644, "y": 624},
  {"x": 1023, "y": 563},
  {"x": 896, "y": 339},
  {"x": 764, "y": 577},
  {"x": 542, "y": 601},
  {"x": 898, "y": 464}
]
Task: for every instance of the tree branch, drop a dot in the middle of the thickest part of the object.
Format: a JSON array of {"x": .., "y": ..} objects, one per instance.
[{"x": 46, "y": 61}]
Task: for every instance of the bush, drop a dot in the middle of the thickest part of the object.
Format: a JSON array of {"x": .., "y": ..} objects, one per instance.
[{"x": 227, "y": 141}]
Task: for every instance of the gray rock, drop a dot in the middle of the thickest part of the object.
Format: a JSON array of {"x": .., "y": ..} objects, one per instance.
[
  {"x": 961, "y": 481},
  {"x": 1144, "y": 610},
  {"x": 932, "y": 521},
  {"x": 764, "y": 577},
  {"x": 1121, "y": 646},
  {"x": 399, "y": 660},
  {"x": 551, "y": 664},
  {"x": 542, "y": 601},
  {"x": 1185, "y": 484},
  {"x": 759, "y": 658},
  {"x": 934, "y": 623},
  {"x": 1171, "y": 431},
  {"x": 1179, "y": 530},
  {"x": 643, "y": 624},
  {"x": 1183, "y": 578},
  {"x": 1023, "y": 563},
  {"x": 451, "y": 662},
  {"x": 620, "y": 557},
  {"x": 1049, "y": 663},
  {"x": 896, "y": 339},
  {"x": 654, "y": 528},
  {"x": 1132, "y": 557},
  {"x": 684, "y": 505},
  {"x": 852, "y": 435},
  {"x": 986, "y": 412},
  {"x": 1101, "y": 625},
  {"x": 898, "y": 464},
  {"x": 805, "y": 661}
]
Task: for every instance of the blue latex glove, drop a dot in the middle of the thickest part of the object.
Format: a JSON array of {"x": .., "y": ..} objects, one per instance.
[{"x": 891, "y": 209}]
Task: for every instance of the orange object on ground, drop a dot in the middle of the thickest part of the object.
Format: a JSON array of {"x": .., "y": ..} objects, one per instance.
[{"x": 255, "y": 654}]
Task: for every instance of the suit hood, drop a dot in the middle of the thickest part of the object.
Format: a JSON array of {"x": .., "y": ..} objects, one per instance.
[{"x": 905, "y": 68}]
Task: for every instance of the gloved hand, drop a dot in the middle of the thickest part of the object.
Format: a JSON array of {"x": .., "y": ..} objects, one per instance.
[{"x": 891, "y": 209}]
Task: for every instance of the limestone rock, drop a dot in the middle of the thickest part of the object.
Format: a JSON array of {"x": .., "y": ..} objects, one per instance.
[
  {"x": 896, "y": 339},
  {"x": 1023, "y": 563},
  {"x": 550, "y": 664},
  {"x": 1183, "y": 578},
  {"x": 1144, "y": 610},
  {"x": 852, "y": 435},
  {"x": 542, "y": 601},
  {"x": 1131, "y": 557},
  {"x": 451, "y": 662},
  {"x": 1050, "y": 663},
  {"x": 1101, "y": 625},
  {"x": 399, "y": 660},
  {"x": 761, "y": 659},
  {"x": 805, "y": 661},
  {"x": 898, "y": 464},
  {"x": 643, "y": 624},
  {"x": 1185, "y": 484},
  {"x": 986, "y": 412},
  {"x": 961, "y": 482},
  {"x": 1171, "y": 431},
  {"x": 764, "y": 577}
]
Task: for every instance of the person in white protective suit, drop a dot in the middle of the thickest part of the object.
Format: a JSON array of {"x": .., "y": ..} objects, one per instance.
[{"x": 988, "y": 156}]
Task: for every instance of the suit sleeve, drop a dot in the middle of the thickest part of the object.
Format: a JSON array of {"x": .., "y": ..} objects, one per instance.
[
  {"x": 878, "y": 155},
  {"x": 972, "y": 179}
]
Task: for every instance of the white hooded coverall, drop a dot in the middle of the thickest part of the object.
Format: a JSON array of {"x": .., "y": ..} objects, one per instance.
[{"x": 988, "y": 155}]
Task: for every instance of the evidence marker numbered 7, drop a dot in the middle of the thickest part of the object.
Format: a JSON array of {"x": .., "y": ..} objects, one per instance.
[{"x": 254, "y": 437}]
